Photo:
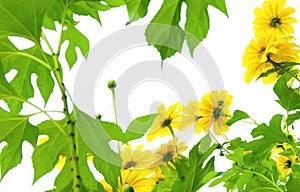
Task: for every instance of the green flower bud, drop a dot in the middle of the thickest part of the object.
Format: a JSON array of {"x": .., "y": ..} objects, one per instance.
[
  {"x": 128, "y": 188},
  {"x": 98, "y": 116},
  {"x": 111, "y": 84}
]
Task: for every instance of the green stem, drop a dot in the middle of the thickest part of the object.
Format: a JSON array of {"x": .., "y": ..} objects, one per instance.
[
  {"x": 278, "y": 65},
  {"x": 115, "y": 105},
  {"x": 47, "y": 43}
]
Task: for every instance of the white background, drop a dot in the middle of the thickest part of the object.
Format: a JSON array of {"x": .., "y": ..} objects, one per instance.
[{"x": 226, "y": 42}]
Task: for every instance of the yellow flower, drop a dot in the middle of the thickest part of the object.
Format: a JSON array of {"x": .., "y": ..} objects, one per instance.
[
  {"x": 61, "y": 159},
  {"x": 168, "y": 152},
  {"x": 284, "y": 164},
  {"x": 274, "y": 18},
  {"x": 279, "y": 148},
  {"x": 136, "y": 158},
  {"x": 165, "y": 120},
  {"x": 192, "y": 115},
  {"x": 260, "y": 52},
  {"x": 133, "y": 180},
  {"x": 214, "y": 109}
]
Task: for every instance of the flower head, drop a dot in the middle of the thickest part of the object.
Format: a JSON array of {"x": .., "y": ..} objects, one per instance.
[
  {"x": 274, "y": 18},
  {"x": 259, "y": 54},
  {"x": 214, "y": 109},
  {"x": 133, "y": 180},
  {"x": 169, "y": 151},
  {"x": 192, "y": 115},
  {"x": 284, "y": 164},
  {"x": 136, "y": 158},
  {"x": 165, "y": 120}
]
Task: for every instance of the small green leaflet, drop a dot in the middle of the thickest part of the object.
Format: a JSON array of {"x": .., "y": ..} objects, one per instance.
[
  {"x": 75, "y": 39},
  {"x": 136, "y": 9},
  {"x": 14, "y": 130},
  {"x": 22, "y": 18},
  {"x": 289, "y": 98},
  {"x": 169, "y": 40},
  {"x": 237, "y": 116}
]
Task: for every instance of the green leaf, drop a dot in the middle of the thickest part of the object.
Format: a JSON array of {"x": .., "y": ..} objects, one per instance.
[
  {"x": 14, "y": 130},
  {"x": 293, "y": 117},
  {"x": 205, "y": 144},
  {"x": 267, "y": 137},
  {"x": 46, "y": 155},
  {"x": 113, "y": 130},
  {"x": 192, "y": 171},
  {"x": 22, "y": 18},
  {"x": 293, "y": 185},
  {"x": 237, "y": 116},
  {"x": 115, "y": 3},
  {"x": 164, "y": 31},
  {"x": 289, "y": 98},
  {"x": 237, "y": 156},
  {"x": 138, "y": 127},
  {"x": 136, "y": 9},
  {"x": 110, "y": 172},
  {"x": 93, "y": 133},
  {"x": 87, "y": 8},
  {"x": 76, "y": 39},
  {"x": 6, "y": 91},
  {"x": 197, "y": 22},
  {"x": 27, "y": 62},
  {"x": 220, "y": 5},
  {"x": 165, "y": 185}
]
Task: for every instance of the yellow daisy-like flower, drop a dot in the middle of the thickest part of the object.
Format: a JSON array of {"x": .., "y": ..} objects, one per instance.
[
  {"x": 214, "y": 109},
  {"x": 279, "y": 148},
  {"x": 284, "y": 164},
  {"x": 136, "y": 158},
  {"x": 260, "y": 52},
  {"x": 133, "y": 180},
  {"x": 165, "y": 121},
  {"x": 61, "y": 159},
  {"x": 274, "y": 18},
  {"x": 192, "y": 115},
  {"x": 169, "y": 151}
]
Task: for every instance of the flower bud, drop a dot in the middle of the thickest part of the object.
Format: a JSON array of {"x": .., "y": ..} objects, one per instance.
[
  {"x": 128, "y": 188},
  {"x": 98, "y": 116},
  {"x": 111, "y": 84}
]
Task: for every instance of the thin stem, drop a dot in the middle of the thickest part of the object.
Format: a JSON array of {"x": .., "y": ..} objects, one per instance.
[
  {"x": 115, "y": 104},
  {"x": 278, "y": 65},
  {"x": 264, "y": 188},
  {"x": 47, "y": 43},
  {"x": 50, "y": 111}
]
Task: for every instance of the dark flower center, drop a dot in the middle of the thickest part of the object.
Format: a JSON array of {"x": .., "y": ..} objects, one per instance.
[
  {"x": 128, "y": 188},
  {"x": 167, "y": 122},
  {"x": 167, "y": 157},
  {"x": 130, "y": 164},
  {"x": 288, "y": 164},
  {"x": 274, "y": 22},
  {"x": 217, "y": 112}
]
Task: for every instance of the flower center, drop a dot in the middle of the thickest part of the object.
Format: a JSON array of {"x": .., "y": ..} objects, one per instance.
[
  {"x": 167, "y": 122},
  {"x": 288, "y": 164},
  {"x": 167, "y": 157},
  {"x": 130, "y": 164},
  {"x": 128, "y": 188},
  {"x": 274, "y": 22},
  {"x": 217, "y": 112}
]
